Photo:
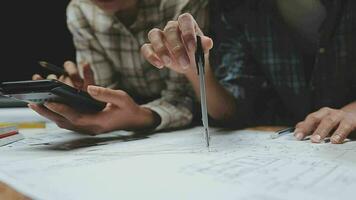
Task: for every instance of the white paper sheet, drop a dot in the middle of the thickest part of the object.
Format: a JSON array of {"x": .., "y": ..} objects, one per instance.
[
  {"x": 177, "y": 165},
  {"x": 20, "y": 115}
]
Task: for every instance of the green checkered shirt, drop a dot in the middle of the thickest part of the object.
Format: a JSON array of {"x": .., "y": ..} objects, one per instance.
[{"x": 258, "y": 60}]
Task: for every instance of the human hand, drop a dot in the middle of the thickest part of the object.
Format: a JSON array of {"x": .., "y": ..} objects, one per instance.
[
  {"x": 120, "y": 113},
  {"x": 72, "y": 77},
  {"x": 174, "y": 46},
  {"x": 327, "y": 122}
]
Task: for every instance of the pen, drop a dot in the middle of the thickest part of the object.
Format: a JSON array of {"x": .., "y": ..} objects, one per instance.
[
  {"x": 282, "y": 132},
  {"x": 53, "y": 68},
  {"x": 200, "y": 63}
]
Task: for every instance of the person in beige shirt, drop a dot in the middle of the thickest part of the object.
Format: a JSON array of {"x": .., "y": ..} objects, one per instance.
[{"x": 108, "y": 35}]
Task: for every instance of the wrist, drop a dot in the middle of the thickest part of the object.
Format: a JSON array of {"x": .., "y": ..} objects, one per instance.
[
  {"x": 191, "y": 75},
  {"x": 147, "y": 119}
]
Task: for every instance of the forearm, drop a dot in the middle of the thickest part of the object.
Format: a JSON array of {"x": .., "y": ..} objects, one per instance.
[{"x": 221, "y": 104}]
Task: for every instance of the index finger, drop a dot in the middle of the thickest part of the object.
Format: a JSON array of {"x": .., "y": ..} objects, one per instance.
[
  {"x": 43, "y": 111},
  {"x": 88, "y": 76},
  {"x": 75, "y": 117},
  {"x": 72, "y": 70},
  {"x": 310, "y": 123},
  {"x": 187, "y": 26}
]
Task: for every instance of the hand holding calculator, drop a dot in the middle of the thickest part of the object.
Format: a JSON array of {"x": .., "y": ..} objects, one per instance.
[{"x": 41, "y": 91}]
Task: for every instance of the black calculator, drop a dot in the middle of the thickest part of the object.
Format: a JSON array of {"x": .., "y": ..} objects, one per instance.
[{"x": 41, "y": 91}]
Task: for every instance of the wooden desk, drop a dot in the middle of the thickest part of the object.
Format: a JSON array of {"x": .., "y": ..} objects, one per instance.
[{"x": 7, "y": 193}]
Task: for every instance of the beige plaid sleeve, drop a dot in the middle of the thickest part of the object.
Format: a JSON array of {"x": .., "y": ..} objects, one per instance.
[
  {"x": 175, "y": 107},
  {"x": 88, "y": 49}
]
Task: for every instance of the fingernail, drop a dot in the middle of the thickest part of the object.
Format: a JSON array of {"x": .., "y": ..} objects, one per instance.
[
  {"x": 158, "y": 64},
  {"x": 166, "y": 60},
  {"x": 316, "y": 138},
  {"x": 183, "y": 62},
  {"x": 299, "y": 136},
  {"x": 93, "y": 90},
  {"x": 191, "y": 46},
  {"x": 336, "y": 138}
]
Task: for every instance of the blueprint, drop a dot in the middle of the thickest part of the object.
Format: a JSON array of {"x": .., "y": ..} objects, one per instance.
[{"x": 58, "y": 164}]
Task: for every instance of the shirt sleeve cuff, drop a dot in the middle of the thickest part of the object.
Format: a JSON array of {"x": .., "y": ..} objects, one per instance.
[{"x": 171, "y": 116}]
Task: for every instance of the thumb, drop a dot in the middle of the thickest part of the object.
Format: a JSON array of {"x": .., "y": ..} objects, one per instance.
[
  {"x": 88, "y": 76},
  {"x": 207, "y": 43},
  {"x": 115, "y": 97}
]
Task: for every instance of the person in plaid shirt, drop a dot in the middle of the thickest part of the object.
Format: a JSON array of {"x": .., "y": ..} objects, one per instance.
[
  {"x": 276, "y": 62},
  {"x": 108, "y": 35}
]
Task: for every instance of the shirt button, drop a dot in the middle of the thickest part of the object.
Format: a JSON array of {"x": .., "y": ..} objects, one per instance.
[{"x": 322, "y": 50}]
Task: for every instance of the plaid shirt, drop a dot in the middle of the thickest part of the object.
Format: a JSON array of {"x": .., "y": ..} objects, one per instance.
[
  {"x": 113, "y": 51},
  {"x": 259, "y": 62}
]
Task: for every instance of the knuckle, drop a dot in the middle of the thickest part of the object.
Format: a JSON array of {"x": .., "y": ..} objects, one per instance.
[
  {"x": 312, "y": 118},
  {"x": 177, "y": 50},
  {"x": 123, "y": 93},
  {"x": 172, "y": 23},
  {"x": 339, "y": 114},
  {"x": 321, "y": 132},
  {"x": 172, "y": 26},
  {"x": 101, "y": 91},
  {"x": 150, "y": 56},
  {"x": 188, "y": 33},
  {"x": 346, "y": 127},
  {"x": 185, "y": 16},
  {"x": 160, "y": 48},
  {"x": 153, "y": 32},
  {"x": 144, "y": 48},
  {"x": 326, "y": 109},
  {"x": 300, "y": 125},
  {"x": 330, "y": 120}
]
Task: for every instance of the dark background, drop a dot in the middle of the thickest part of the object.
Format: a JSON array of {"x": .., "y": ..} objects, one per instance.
[{"x": 33, "y": 31}]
